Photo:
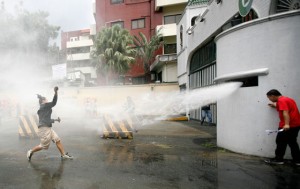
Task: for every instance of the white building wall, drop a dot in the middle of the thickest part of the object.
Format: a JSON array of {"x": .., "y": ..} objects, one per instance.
[
  {"x": 171, "y": 72},
  {"x": 271, "y": 43},
  {"x": 216, "y": 17},
  {"x": 182, "y": 68},
  {"x": 182, "y": 58}
]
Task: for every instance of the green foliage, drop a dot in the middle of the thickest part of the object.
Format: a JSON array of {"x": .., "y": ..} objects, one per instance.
[
  {"x": 113, "y": 52},
  {"x": 146, "y": 49},
  {"x": 26, "y": 31}
]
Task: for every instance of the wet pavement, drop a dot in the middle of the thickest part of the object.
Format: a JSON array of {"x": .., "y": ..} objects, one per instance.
[{"x": 164, "y": 155}]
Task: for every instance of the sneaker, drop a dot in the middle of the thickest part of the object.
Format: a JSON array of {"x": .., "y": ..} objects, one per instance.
[
  {"x": 29, "y": 154},
  {"x": 274, "y": 161},
  {"x": 66, "y": 156}
]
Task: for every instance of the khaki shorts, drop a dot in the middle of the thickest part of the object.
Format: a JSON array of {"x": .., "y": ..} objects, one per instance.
[{"x": 47, "y": 134}]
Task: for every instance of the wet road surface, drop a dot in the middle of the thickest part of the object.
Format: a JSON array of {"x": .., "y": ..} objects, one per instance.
[{"x": 164, "y": 155}]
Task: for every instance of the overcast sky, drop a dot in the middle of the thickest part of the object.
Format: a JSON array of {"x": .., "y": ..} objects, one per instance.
[{"x": 68, "y": 14}]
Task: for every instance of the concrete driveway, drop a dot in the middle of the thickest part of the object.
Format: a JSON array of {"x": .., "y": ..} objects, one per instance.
[{"x": 163, "y": 155}]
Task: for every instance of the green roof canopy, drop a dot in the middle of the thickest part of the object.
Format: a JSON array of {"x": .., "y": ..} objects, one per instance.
[{"x": 197, "y": 2}]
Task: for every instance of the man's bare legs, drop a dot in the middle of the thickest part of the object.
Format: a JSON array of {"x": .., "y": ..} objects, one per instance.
[
  {"x": 60, "y": 148},
  {"x": 58, "y": 145},
  {"x": 36, "y": 148}
]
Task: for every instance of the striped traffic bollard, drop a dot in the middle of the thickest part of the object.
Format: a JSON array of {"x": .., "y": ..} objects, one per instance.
[
  {"x": 117, "y": 128},
  {"x": 28, "y": 126}
]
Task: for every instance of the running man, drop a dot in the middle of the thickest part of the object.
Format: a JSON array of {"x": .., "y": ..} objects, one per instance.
[{"x": 45, "y": 131}]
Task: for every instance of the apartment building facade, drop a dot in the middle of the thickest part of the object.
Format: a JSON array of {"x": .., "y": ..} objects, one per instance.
[
  {"x": 165, "y": 65},
  {"x": 77, "y": 46},
  {"x": 135, "y": 16},
  {"x": 148, "y": 17},
  {"x": 253, "y": 42}
]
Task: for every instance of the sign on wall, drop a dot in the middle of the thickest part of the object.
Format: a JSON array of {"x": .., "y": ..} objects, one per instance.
[
  {"x": 245, "y": 7},
  {"x": 59, "y": 71}
]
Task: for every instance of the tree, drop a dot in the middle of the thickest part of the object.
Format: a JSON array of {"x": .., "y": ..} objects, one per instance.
[
  {"x": 146, "y": 49},
  {"x": 24, "y": 46},
  {"x": 113, "y": 51},
  {"x": 26, "y": 31}
]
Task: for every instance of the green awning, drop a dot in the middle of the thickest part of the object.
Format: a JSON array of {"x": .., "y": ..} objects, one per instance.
[{"x": 197, "y": 2}]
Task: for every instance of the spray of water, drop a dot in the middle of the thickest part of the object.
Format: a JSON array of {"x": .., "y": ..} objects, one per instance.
[
  {"x": 23, "y": 75},
  {"x": 23, "y": 69},
  {"x": 151, "y": 107}
]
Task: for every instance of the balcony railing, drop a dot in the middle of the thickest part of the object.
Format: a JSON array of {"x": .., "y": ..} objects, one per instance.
[
  {"x": 167, "y": 30},
  {"x": 78, "y": 56},
  {"x": 80, "y": 43},
  {"x": 161, "y": 59}
]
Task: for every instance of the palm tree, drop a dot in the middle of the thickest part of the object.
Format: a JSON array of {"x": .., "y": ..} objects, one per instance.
[
  {"x": 113, "y": 51},
  {"x": 146, "y": 49}
]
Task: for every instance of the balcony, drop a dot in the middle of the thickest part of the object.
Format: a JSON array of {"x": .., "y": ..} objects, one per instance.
[
  {"x": 78, "y": 56},
  {"x": 167, "y": 30},
  {"x": 164, "y": 3},
  {"x": 79, "y": 43},
  {"x": 161, "y": 59}
]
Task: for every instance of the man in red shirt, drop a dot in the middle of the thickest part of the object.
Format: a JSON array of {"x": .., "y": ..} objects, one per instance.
[{"x": 289, "y": 126}]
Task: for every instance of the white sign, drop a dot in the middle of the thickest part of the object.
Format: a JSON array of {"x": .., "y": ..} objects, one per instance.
[
  {"x": 245, "y": 7},
  {"x": 59, "y": 71}
]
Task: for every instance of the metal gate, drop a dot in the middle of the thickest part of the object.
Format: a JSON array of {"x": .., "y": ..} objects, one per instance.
[{"x": 203, "y": 78}]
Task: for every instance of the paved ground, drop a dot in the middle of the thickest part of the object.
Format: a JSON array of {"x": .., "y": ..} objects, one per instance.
[{"x": 164, "y": 155}]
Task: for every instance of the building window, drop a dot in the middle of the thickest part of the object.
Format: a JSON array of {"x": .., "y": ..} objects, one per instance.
[
  {"x": 170, "y": 48},
  {"x": 139, "y": 23},
  {"x": 287, "y": 5},
  {"x": 203, "y": 68},
  {"x": 171, "y": 19},
  {"x": 181, "y": 37},
  {"x": 193, "y": 21},
  {"x": 74, "y": 39},
  {"x": 203, "y": 57},
  {"x": 247, "y": 82},
  {"x": 120, "y": 23},
  {"x": 116, "y": 1},
  {"x": 76, "y": 50}
]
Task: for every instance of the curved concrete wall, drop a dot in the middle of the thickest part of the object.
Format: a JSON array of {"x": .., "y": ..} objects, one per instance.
[{"x": 274, "y": 43}]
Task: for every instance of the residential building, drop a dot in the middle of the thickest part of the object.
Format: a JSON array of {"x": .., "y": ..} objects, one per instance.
[
  {"x": 253, "y": 42},
  {"x": 77, "y": 47},
  {"x": 148, "y": 17},
  {"x": 165, "y": 65},
  {"x": 135, "y": 16}
]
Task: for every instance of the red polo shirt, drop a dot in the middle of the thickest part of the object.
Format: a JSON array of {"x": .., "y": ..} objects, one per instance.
[{"x": 288, "y": 104}]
